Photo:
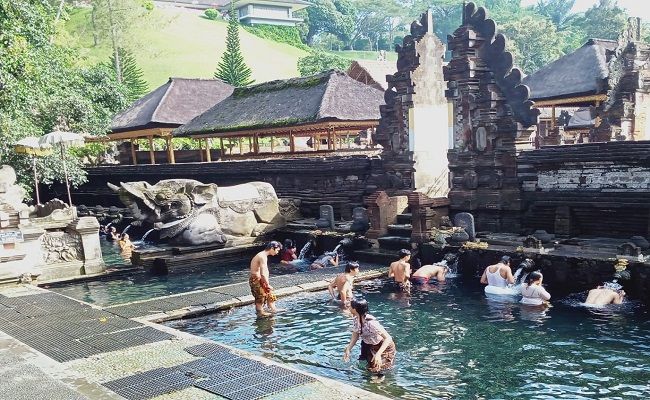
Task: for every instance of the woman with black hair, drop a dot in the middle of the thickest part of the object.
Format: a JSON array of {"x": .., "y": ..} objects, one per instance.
[
  {"x": 377, "y": 346},
  {"x": 533, "y": 293}
]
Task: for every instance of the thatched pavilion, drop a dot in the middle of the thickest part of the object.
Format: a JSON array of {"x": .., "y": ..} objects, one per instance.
[
  {"x": 372, "y": 72},
  {"x": 315, "y": 114},
  {"x": 171, "y": 105}
]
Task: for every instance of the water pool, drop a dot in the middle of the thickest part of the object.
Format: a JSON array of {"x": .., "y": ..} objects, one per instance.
[{"x": 454, "y": 343}]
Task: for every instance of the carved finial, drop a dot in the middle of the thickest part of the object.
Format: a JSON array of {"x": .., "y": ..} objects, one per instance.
[{"x": 429, "y": 21}]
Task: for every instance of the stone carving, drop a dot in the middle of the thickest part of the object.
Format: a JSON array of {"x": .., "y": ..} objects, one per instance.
[
  {"x": 44, "y": 210},
  {"x": 193, "y": 213},
  {"x": 629, "y": 249},
  {"x": 61, "y": 247},
  {"x": 11, "y": 195},
  {"x": 466, "y": 221},
  {"x": 360, "y": 220},
  {"x": 290, "y": 209},
  {"x": 532, "y": 242},
  {"x": 326, "y": 219}
]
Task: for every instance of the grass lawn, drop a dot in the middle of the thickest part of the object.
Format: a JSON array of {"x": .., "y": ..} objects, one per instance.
[
  {"x": 179, "y": 42},
  {"x": 364, "y": 55}
]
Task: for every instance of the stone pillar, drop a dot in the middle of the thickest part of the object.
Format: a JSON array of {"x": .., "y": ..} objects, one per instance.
[
  {"x": 426, "y": 213},
  {"x": 88, "y": 229},
  {"x": 382, "y": 211}
]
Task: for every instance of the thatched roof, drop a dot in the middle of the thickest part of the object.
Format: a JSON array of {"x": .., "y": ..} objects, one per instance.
[
  {"x": 372, "y": 73},
  {"x": 325, "y": 97},
  {"x": 172, "y": 104},
  {"x": 583, "y": 72}
]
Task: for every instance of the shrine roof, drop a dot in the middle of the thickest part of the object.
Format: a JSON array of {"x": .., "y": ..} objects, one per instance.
[{"x": 372, "y": 72}]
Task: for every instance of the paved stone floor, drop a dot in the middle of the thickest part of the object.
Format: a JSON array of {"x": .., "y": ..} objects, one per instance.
[{"x": 54, "y": 347}]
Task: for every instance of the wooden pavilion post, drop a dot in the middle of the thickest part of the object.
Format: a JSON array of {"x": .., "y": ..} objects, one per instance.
[
  {"x": 329, "y": 138},
  {"x": 171, "y": 158},
  {"x": 292, "y": 142},
  {"x": 241, "y": 145},
  {"x": 152, "y": 156},
  {"x": 256, "y": 143},
  {"x": 223, "y": 153},
  {"x": 250, "y": 145},
  {"x": 272, "y": 145},
  {"x": 208, "y": 156},
  {"x": 133, "y": 154},
  {"x": 552, "y": 117}
]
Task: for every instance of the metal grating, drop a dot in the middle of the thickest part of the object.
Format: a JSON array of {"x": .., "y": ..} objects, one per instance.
[
  {"x": 247, "y": 394},
  {"x": 207, "y": 349}
]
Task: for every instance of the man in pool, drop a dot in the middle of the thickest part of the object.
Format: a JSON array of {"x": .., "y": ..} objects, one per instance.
[
  {"x": 438, "y": 271},
  {"x": 499, "y": 274},
  {"x": 400, "y": 270},
  {"x": 343, "y": 284},
  {"x": 603, "y": 295},
  {"x": 259, "y": 279}
]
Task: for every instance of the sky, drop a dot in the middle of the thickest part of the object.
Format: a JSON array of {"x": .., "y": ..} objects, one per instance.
[{"x": 635, "y": 8}]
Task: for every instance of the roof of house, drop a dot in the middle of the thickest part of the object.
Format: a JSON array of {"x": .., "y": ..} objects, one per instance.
[
  {"x": 372, "y": 72},
  {"x": 226, "y": 3},
  {"x": 328, "y": 96},
  {"x": 172, "y": 104},
  {"x": 582, "y": 72}
]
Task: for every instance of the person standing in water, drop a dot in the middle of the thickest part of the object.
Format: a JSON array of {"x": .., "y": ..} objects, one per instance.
[
  {"x": 343, "y": 284},
  {"x": 603, "y": 295},
  {"x": 438, "y": 270},
  {"x": 259, "y": 279},
  {"x": 400, "y": 270},
  {"x": 377, "y": 346},
  {"x": 532, "y": 291},
  {"x": 499, "y": 274}
]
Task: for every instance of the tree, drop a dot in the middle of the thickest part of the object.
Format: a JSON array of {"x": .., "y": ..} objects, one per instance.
[
  {"x": 131, "y": 73},
  {"x": 319, "y": 61},
  {"x": 558, "y": 11},
  {"x": 41, "y": 88},
  {"x": 604, "y": 20},
  {"x": 328, "y": 16},
  {"x": 232, "y": 68},
  {"x": 533, "y": 41}
]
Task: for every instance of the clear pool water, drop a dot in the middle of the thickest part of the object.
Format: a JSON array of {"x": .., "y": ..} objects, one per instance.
[{"x": 453, "y": 343}]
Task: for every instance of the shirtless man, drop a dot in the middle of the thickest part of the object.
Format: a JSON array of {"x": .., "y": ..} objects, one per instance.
[
  {"x": 499, "y": 274},
  {"x": 438, "y": 270},
  {"x": 603, "y": 295},
  {"x": 343, "y": 284},
  {"x": 400, "y": 270},
  {"x": 259, "y": 279}
]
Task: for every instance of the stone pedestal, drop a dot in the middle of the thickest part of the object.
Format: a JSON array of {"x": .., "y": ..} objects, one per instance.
[
  {"x": 382, "y": 211},
  {"x": 426, "y": 213},
  {"x": 87, "y": 228}
]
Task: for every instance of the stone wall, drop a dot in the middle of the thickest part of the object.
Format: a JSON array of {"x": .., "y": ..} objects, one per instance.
[
  {"x": 339, "y": 181},
  {"x": 587, "y": 189}
]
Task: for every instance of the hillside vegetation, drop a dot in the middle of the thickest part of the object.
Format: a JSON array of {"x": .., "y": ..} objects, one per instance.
[{"x": 180, "y": 42}]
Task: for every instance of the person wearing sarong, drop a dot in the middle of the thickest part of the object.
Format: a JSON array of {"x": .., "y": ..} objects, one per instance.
[
  {"x": 377, "y": 346},
  {"x": 259, "y": 279}
]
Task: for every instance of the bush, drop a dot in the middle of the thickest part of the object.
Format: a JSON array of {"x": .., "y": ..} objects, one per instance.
[
  {"x": 212, "y": 14},
  {"x": 282, "y": 34},
  {"x": 319, "y": 61},
  {"x": 148, "y": 5}
]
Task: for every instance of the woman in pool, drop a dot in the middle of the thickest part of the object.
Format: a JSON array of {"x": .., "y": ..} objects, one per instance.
[
  {"x": 377, "y": 346},
  {"x": 533, "y": 292}
]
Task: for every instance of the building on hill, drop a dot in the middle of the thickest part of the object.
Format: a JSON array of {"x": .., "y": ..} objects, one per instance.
[
  {"x": 612, "y": 78},
  {"x": 156, "y": 114},
  {"x": 252, "y": 12},
  {"x": 324, "y": 113}
]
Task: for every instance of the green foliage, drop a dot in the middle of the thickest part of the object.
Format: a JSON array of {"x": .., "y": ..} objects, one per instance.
[
  {"x": 319, "y": 61},
  {"x": 604, "y": 20},
  {"x": 131, "y": 73},
  {"x": 212, "y": 14},
  {"x": 42, "y": 89},
  {"x": 148, "y": 5},
  {"x": 232, "y": 68},
  {"x": 281, "y": 34},
  {"x": 534, "y": 42}
]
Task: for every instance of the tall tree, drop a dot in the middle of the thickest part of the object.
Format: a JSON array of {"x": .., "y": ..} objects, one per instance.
[
  {"x": 131, "y": 74},
  {"x": 604, "y": 20},
  {"x": 558, "y": 11},
  {"x": 534, "y": 42},
  {"x": 232, "y": 68}
]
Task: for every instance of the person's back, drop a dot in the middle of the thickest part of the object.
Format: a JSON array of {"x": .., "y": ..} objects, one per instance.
[
  {"x": 426, "y": 272},
  {"x": 532, "y": 292},
  {"x": 498, "y": 275},
  {"x": 602, "y": 296},
  {"x": 400, "y": 270}
]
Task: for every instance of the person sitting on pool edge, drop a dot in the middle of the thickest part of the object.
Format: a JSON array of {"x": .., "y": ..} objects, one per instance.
[
  {"x": 499, "y": 274},
  {"x": 328, "y": 259},
  {"x": 343, "y": 284},
  {"x": 377, "y": 346},
  {"x": 605, "y": 294},
  {"x": 259, "y": 279},
  {"x": 438, "y": 270},
  {"x": 400, "y": 270},
  {"x": 532, "y": 291},
  {"x": 288, "y": 253}
]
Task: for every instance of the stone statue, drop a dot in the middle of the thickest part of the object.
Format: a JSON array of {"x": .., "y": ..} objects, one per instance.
[
  {"x": 193, "y": 213},
  {"x": 11, "y": 194}
]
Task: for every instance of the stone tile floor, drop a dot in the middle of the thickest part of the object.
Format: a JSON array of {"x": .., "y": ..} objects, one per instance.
[{"x": 60, "y": 348}]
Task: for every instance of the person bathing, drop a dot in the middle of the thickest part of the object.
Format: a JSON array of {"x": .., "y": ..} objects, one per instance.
[
  {"x": 377, "y": 346},
  {"x": 343, "y": 284},
  {"x": 499, "y": 274},
  {"x": 438, "y": 270},
  {"x": 259, "y": 279},
  {"x": 532, "y": 291},
  {"x": 605, "y": 294},
  {"x": 400, "y": 270}
]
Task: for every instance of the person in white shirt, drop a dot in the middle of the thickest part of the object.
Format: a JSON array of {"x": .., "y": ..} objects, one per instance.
[{"x": 533, "y": 293}]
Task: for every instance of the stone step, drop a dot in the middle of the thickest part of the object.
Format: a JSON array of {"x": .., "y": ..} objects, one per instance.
[
  {"x": 405, "y": 218},
  {"x": 394, "y": 242},
  {"x": 400, "y": 230}
]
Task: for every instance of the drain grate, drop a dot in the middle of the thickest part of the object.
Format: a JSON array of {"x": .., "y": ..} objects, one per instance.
[
  {"x": 152, "y": 334},
  {"x": 247, "y": 394},
  {"x": 207, "y": 349}
]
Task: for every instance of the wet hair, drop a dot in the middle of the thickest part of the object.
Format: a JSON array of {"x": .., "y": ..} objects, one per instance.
[
  {"x": 273, "y": 245},
  {"x": 351, "y": 265},
  {"x": 533, "y": 277},
  {"x": 404, "y": 252},
  {"x": 505, "y": 260},
  {"x": 361, "y": 307},
  {"x": 289, "y": 244}
]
